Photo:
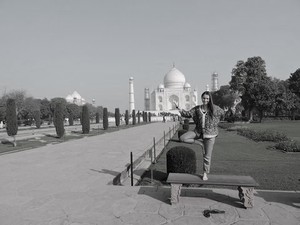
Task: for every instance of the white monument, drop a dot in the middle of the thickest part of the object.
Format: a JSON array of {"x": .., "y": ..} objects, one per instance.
[
  {"x": 175, "y": 88},
  {"x": 75, "y": 98},
  {"x": 131, "y": 95}
]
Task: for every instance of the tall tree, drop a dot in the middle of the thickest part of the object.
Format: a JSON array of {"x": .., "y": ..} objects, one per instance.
[
  {"x": 294, "y": 82},
  {"x": 246, "y": 77},
  {"x": 11, "y": 119}
]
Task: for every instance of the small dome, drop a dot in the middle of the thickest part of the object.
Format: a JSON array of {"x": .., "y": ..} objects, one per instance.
[
  {"x": 187, "y": 85},
  {"x": 174, "y": 79},
  {"x": 76, "y": 95},
  {"x": 161, "y": 86}
]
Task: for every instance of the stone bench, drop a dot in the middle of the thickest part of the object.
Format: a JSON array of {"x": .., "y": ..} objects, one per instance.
[{"x": 245, "y": 185}]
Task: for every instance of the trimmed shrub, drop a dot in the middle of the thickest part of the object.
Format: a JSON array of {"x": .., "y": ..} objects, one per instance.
[
  {"x": 181, "y": 132},
  {"x": 59, "y": 119},
  {"x": 126, "y": 117},
  {"x": 117, "y": 116},
  {"x": 149, "y": 117},
  {"x": 105, "y": 119},
  {"x": 185, "y": 126},
  {"x": 11, "y": 119},
  {"x": 71, "y": 119},
  {"x": 265, "y": 135},
  {"x": 97, "y": 117},
  {"x": 37, "y": 118},
  {"x": 186, "y": 121},
  {"x": 133, "y": 117},
  {"x": 138, "y": 116},
  {"x": 181, "y": 159},
  {"x": 288, "y": 146},
  {"x": 85, "y": 120}
]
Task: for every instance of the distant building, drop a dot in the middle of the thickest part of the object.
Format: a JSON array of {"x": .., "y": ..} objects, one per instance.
[
  {"x": 75, "y": 98},
  {"x": 214, "y": 82},
  {"x": 175, "y": 88}
]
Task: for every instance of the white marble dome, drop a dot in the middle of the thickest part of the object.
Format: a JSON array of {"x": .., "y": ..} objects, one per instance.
[
  {"x": 174, "y": 79},
  {"x": 187, "y": 85},
  {"x": 161, "y": 86}
]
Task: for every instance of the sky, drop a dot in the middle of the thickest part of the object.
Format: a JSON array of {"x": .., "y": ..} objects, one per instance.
[{"x": 50, "y": 48}]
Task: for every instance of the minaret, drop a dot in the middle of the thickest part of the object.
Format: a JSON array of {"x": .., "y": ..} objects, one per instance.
[
  {"x": 214, "y": 82},
  {"x": 147, "y": 99},
  {"x": 131, "y": 95},
  {"x": 207, "y": 87}
]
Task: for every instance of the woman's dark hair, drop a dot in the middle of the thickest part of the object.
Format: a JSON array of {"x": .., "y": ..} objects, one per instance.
[{"x": 210, "y": 104}]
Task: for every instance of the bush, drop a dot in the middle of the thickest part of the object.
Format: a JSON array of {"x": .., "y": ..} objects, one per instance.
[
  {"x": 11, "y": 119},
  {"x": 138, "y": 116},
  {"x": 97, "y": 117},
  {"x": 85, "y": 120},
  {"x": 37, "y": 118},
  {"x": 149, "y": 117},
  {"x": 71, "y": 119},
  {"x": 288, "y": 146},
  {"x": 133, "y": 117},
  {"x": 59, "y": 119},
  {"x": 186, "y": 121},
  {"x": 105, "y": 119},
  {"x": 185, "y": 126},
  {"x": 266, "y": 135},
  {"x": 181, "y": 159},
  {"x": 126, "y": 117},
  {"x": 181, "y": 132},
  {"x": 117, "y": 116}
]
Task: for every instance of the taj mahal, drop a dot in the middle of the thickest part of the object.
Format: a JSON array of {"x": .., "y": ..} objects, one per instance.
[{"x": 174, "y": 88}]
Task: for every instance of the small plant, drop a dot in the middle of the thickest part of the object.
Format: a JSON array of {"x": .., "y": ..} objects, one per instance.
[
  {"x": 181, "y": 159},
  {"x": 11, "y": 119},
  {"x": 105, "y": 119},
  {"x": 117, "y": 117},
  {"x": 59, "y": 119},
  {"x": 288, "y": 146},
  {"x": 85, "y": 120}
]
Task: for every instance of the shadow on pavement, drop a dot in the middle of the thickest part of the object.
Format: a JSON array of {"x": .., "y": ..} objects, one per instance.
[
  {"x": 287, "y": 198},
  {"x": 199, "y": 195}
]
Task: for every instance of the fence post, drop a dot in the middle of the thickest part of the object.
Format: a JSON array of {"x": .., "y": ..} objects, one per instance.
[
  {"x": 164, "y": 139},
  {"x": 169, "y": 133},
  {"x": 154, "y": 161},
  {"x": 131, "y": 168}
]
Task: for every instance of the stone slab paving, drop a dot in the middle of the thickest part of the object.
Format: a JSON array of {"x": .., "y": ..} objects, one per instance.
[{"x": 68, "y": 184}]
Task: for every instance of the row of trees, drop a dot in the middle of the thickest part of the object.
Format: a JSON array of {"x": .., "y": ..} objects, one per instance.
[
  {"x": 59, "y": 117},
  {"x": 261, "y": 94},
  {"x": 29, "y": 109}
]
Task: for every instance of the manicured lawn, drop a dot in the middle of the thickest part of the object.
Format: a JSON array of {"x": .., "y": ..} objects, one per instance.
[
  {"x": 289, "y": 127},
  {"x": 237, "y": 155}
]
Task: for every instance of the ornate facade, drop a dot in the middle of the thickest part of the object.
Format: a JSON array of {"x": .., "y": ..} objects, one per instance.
[{"x": 175, "y": 88}]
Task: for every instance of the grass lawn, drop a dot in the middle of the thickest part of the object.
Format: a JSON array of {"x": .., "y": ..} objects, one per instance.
[
  {"x": 45, "y": 139},
  {"x": 289, "y": 127},
  {"x": 237, "y": 155}
]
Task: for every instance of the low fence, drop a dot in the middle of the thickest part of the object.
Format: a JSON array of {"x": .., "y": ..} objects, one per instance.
[{"x": 148, "y": 157}]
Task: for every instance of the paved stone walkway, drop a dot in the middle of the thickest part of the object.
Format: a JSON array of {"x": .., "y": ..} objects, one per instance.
[{"x": 68, "y": 184}]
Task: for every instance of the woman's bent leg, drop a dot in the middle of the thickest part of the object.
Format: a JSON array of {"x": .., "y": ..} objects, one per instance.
[
  {"x": 188, "y": 137},
  {"x": 208, "y": 148}
]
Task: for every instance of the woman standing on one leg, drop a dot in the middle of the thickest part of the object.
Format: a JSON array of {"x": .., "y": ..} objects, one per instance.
[{"x": 206, "y": 118}]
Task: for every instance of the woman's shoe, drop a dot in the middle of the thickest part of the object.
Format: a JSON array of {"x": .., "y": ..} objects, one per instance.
[{"x": 204, "y": 176}]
